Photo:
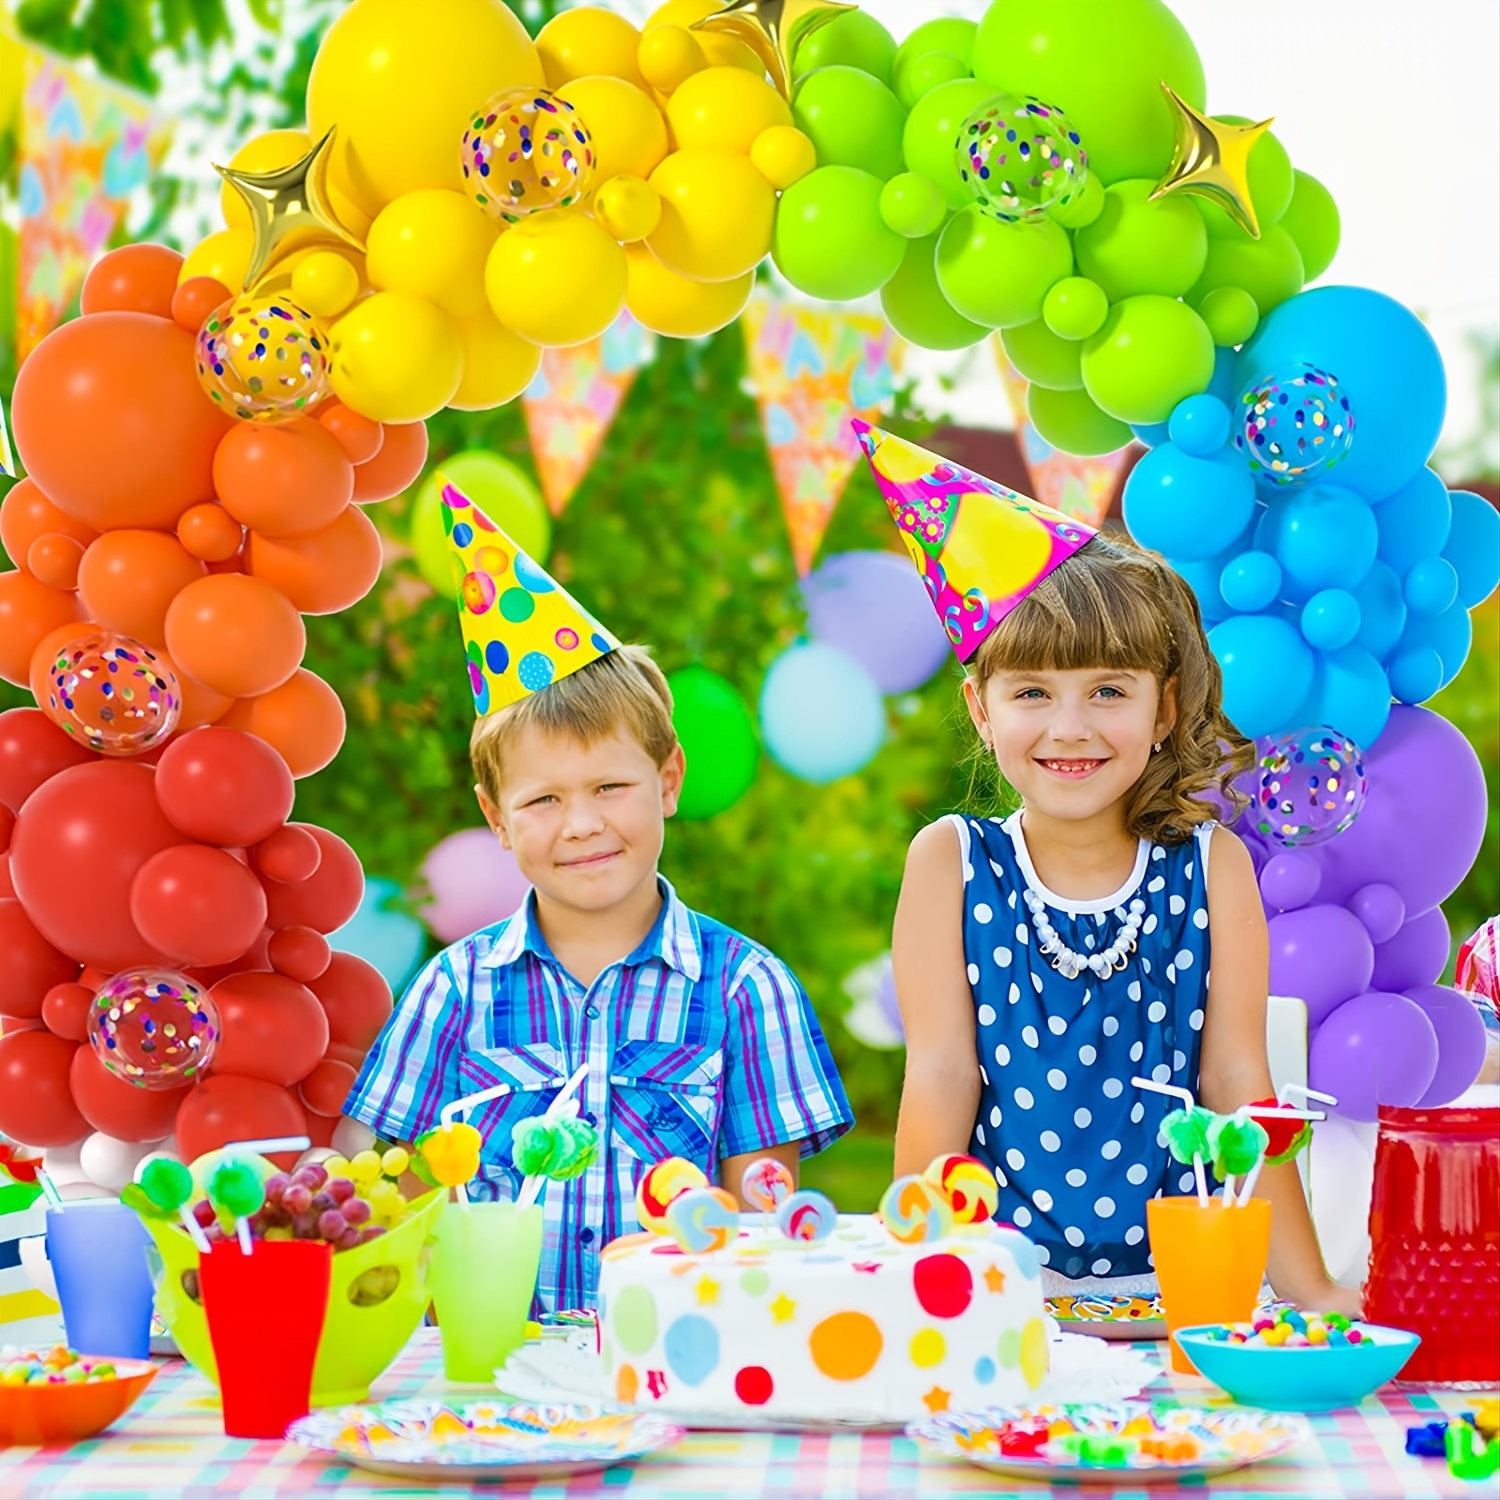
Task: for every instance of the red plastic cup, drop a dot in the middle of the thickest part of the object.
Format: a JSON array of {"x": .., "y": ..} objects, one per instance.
[{"x": 265, "y": 1316}]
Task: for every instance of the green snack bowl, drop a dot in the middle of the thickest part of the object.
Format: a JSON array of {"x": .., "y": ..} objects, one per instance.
[{"x": 360, "y": 1338}]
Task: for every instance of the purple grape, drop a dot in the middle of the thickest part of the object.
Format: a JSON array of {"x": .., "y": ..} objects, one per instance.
[
  {"x": 371, "y": 1232},
  {"x": 213, "y": 1233},
  {"x": 331, "y": 1224},
  {"x": 347, "y": 1240},
  {"x": 297, "y": 1199},
  {"x": 314, "y": 1175},
  {"x": 203, "y": 1212},
  {"x": 305, "y": 1226},
  {"x": 356, "y": 1211},
  {"x": 340, "y": 1189},
  {"x": 275, "y": 1185},
  {"x": 323, "y": 1201}
]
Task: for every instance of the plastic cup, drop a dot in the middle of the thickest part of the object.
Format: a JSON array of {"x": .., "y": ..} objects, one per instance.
[
  {"x": 1210, "y": 1263},
  {"x": 98, "y": 1255},
  {"x": 483, "y": 1277},
  {"x": 265, "y": 1316}
]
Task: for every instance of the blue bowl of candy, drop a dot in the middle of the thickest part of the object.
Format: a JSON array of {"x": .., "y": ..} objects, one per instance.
[{"x": 1332, "y": 1368}]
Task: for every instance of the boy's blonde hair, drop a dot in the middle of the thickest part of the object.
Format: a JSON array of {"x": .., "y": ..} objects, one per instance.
[
  {"x": 1117, "y": 606},
  {"x": 623, "y": 690}
]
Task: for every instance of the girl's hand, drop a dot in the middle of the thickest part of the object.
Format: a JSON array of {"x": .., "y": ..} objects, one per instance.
[{"x": 1329, "y": 1296}]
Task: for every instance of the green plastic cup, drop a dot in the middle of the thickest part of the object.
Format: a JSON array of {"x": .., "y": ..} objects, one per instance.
[{"x": 483, "y": 1275}]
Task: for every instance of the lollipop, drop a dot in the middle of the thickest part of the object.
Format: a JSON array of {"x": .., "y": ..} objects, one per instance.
[
  {"x": 766, "y": 1184},
  {"x": 703, "y": 1219},
  {"x": 451, "y": 1154},
  {"x": 1285, "y": 1139},
  {"x": 1236, "y": 1144},
  {"x": 915, "y": 1211},
  {"x": 807, "y": 1216},
  {"x": 1185, "y": 1131},
  {"x": 169, "y": 1186},
  {"x": 969, "y": 1186},
  {"x": 552, "y": 1148},
  {"x": 660, "y": 1186},
  {"x": 236, "y": 1188}
]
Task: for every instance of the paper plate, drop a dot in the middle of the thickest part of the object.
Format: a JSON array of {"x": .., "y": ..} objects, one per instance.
[
  {"x": 496, "y": 1440},
  {"x": 1110, "y": 1317},
  {"x": 1230, "y": 1439}
]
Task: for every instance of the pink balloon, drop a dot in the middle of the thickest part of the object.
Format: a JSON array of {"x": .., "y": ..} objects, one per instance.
[{"x": 473, "y": 882}]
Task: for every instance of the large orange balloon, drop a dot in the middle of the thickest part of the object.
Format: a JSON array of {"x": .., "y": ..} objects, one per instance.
[
  {"x": 28, "y": 611},
  {"x": 129, "y": 578},
  {"x": 403, "y": 451},
  {"x": 324, "y": 572},
  {"x": 26, "y": 515},
  {"x": 283, "y": 481},
  {"x": 112, "y": 424},
  {"x": 235, "y": 635},
  {"x": 134, "y": 278},
  {"x": 302, "y": 720}
]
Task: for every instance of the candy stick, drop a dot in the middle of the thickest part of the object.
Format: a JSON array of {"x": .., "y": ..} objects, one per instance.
[
  {"x": 1283, "y": 1113},
  {"x": 1188, "y": 1103}
]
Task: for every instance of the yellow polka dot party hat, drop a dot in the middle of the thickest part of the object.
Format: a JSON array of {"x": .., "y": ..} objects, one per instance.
[
  {"x": 522, "y": 630},
  {"x": 979, "y": 547}
]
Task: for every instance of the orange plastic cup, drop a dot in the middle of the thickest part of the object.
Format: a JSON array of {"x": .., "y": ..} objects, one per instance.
[{"x": 1210, "y": 1262}]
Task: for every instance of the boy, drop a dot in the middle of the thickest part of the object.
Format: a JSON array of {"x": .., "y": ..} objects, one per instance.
[{"x": 698, "y": 1042}]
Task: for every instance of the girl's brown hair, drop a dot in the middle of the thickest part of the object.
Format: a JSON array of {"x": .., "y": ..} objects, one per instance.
[{"x": 1116, "y": 605}]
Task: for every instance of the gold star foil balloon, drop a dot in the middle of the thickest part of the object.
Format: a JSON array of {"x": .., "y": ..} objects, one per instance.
[
  {"x": 772, "y": 29},
  {"x": 1212, "y": 160}
]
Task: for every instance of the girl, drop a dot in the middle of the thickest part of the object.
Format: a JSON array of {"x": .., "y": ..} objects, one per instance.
[{"x": 1067, "y": 948}]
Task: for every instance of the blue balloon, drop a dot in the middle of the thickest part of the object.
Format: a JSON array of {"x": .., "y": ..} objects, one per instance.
[
  {"x": 1330, "y": 619},
  {"x": 1450, "y": 634},
  {"x": 1382, "y": 611},
  {"x": 1152, "y": 434},
  {"x": 1431, "y": 586},
  {"x": 1225, "y": 384},
  {"x": 1414, "y": 522},
  {"x": 1268, "y": 671},
  {"x": 1416, "y": 674},
  {"x": 1473, "y": 546},
  {"x": 1250, "y": 581},
  {"x": 1202, "y": 576},
  {"x": 1186, "y": 507},
  {"x": 1386, "y": 362},
  {"x": 1351, "y": 693},
  {"x": 392, "y": 941},
  {"x": 1200, "y": 425},
  {"x": 1324, "y": 537},
  {"x": 820, "y": 712}
]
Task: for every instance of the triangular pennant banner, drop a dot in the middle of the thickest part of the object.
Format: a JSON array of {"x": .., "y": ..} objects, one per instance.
[{"x": 7, "y": 461}]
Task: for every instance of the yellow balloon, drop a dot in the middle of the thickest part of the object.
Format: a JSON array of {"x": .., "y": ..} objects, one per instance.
[
  {"x": 225, "y": 256},
  {"x": 724, "y": 109},
  {"x": 399, "y": 80},
  {"x": 722, "y": 50},
  {"x": 628, "y": 133},
  {"x": 663, "y": 301},
  {"x": 396, "y": 358},
  {"x": 716, "y": 214},
  {"x": 498, "y": 365},
  {"x": 325, "y": 283},
  {"x": 629, "y": 208},
  {"x": 585, "y": 42},
  {"x": 668, "y": 55},
  {"x": 432, "y": 243},
  {"x": 783, "y": 155},
  {"x": 556, "y": 279},
  {"x": 262, "y": 153}
]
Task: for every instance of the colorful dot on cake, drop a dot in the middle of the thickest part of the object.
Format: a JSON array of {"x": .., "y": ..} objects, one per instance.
[
  {"x": 928, "y": 1347},
  {"x": 984, "y": 1370},
  {"x": 944, "y": 1285},
  {"x": 753, "y": 1385},
  {"x": 627, "y": 1384},
  {"x": 969, "y": 1186},
  {"x": 1034, "y": 1352},
  {"x": 754, "y": 1283},
  {"x": 660, "y": 1186},
  {"x": 914, "y": 1211},
  {"x": 632, "y": 1315},
  {"x": 692, "y": 1348},
  {"x": 846, "y": 1346},
  {"x": 1010, "y": 1348}
]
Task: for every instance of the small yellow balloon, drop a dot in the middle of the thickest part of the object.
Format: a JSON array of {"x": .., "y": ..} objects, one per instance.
[
  {"x": 624, "y": 125},
  {"x": 587, "y": 41},
  {"x": 396, "y": 358},
  {"x": 556, "y": 279},
  {"x": 716, "y": 214},
  {"x": 783, "y": 155},
  {"x": 668, "y": 55},
  {"x": 664, "y": 302},
  {"x": 225, "y": 256},
  {"x": 498, "y": 364},
  {"x": 628, "y": 207},
  {"x": 262, "y": 153},
  {"x": 325, "y": 283},
  {"x": 724, "y": 109},
  {"x": 431, "y": 243},
  {"x": 718, "y": 48}
]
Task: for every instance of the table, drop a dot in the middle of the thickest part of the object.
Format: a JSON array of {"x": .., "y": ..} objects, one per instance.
[{"x": 170, "y": 1446}]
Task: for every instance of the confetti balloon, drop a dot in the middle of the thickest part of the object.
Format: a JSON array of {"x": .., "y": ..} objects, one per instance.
[
  {"x": 807, "y": 1216},
  {"x": 969, "y": 1185},
  {"x": 1294, "y": 426},
  {"x": 154, "y": 1028},
  {"x": 915, "y": 1211},
  {"x": 263, "y": 359},
  {"x": 1020, "y": 157},
  {"x": 527, "y": 150},
  {"x": 1306, "y": 787},
  {"x": 113, "y": 694}
]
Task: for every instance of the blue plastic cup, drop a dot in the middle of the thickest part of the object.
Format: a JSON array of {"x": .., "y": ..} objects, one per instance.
[{"x": 98, "y": 1255}]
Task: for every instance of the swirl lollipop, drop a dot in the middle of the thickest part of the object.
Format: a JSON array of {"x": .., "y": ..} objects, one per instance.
[
  {"x": 969, "y": 1186},
  {"x": 915, "y": 1211},
  {"x": 766, "y": 1184},
  {"x": 660, "y": 1186},
  {"x": 807, "y": 1216},
  {"x": 1236, "y": 1145},
  {"x": 704, "y": 1219},
  {"x": 169, "y": 1186},
  {"x": 551, "y": 1149}
]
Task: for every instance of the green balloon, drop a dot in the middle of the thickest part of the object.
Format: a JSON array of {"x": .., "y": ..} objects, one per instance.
[
  {"x": 718, "y": 738},
  {"x": 1075, "y": 307},
  {"x": 1151, "y": 353},
  {"x": 854, "y": 39},
  {"x": 1312, "y": 220},
  {"x": 997, "y": 274},
  {"x": 854, "y": 120},
  {"x": 1069, "y": 420},
  {"x": 1231, "y": 315},
  {"x": 1102, "y": 62},
  {"x": 913, "y": 205},
  {"x": 923, "y": 74},
  {"x": 916, "y": 308},
  {"x": 1043, "y": 358},
  {"x": 502, "y": 491},
  {"x": 1270, "y": 175},
  {"x": 830, "y": 240},
  {"x": 930, "y": 141},
  {"x": 1086, "y": 204},
  {"x": 946, "y": 34},
  {"x": 1136, "y": 246},
  {"x": 1269, "y": 268}
]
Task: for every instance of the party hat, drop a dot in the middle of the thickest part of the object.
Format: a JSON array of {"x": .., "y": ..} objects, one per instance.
[
  {"x": 522, "y": 630},
  {"x": 979, "y": 547}
]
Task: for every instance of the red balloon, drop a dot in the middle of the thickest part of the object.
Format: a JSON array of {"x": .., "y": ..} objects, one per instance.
[
  {"x": 198, "y": 905},
  {"x": 7, "y": 885},
  {"x": 320, "y": 1128},
  {"x": 36, "y": 1102},
  {"x": 32, "y": 749},
  {"x": 134, "y": 278},
  {"x": 252, "y": 961},
  {"x": 271, "y": 1028},
  {"x": 326, "y": 899},
  {"x": 356, "y": 998},
  {"x": 325, "y": 1089},
  {"x": 396, "y": 464},
  {"x": 29, "y": 964},
  {"x": 224, "y": 787},
  {"x": 118, "y": 1108},
  {"x": 226, "y": 1107},
  {"x": 299, "y": 953},
  {"x": 7, "y": 827},
  {"x": 79, "y": 842},
  {"x": 342, "y": 1052},
  {"x": 290, "y": 854},
  {"x": 65, "y": 1010}
]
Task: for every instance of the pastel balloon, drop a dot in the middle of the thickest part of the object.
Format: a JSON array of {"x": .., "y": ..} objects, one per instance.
[
  {"x": 701, "y": 1220},
  {"x": 766, "y": 1184},
  {"x": 660, "y": 1186},
  {"x": 915, "y": 1211},
  {"x": 970, "y": 1186},
  {"x": 807, "y": 1216}
]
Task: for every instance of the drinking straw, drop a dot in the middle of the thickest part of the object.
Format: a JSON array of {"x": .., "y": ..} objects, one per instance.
[
  {"x": 1188, "y": 1102},
  {"x": 1283, "y": 1112},
  {"x": 49, "y": 1188}
]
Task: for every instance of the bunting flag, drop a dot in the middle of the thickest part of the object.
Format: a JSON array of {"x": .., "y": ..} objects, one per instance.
[
  {"x": 1079, "y": 487},
  {"x": 7, "y": 460},
  {"x": 812, "y": 371},
  {"x": 574, "y": 399}
]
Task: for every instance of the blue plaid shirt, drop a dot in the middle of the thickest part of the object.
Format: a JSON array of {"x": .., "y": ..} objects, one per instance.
[{"x": 700, "y": 1044}]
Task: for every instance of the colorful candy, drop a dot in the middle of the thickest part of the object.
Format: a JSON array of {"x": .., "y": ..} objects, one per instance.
[
  {"x": 807, "y": 1216},
  {"x": 1469, "y": 1455},
  {"x": 451, "y": 1154},
  {"x": 58, "y": 1366},
  {"x": 1290, "y": 1329},
  {"x": 914, "y": 1211},
  {"x": 661, "y": 1184},
  {"x": 703, "y": 1219},
  {"x": 766, "y": 1184},
  {"x": 558, "y": 1149},
  {"x": 969, "y": 1185}
]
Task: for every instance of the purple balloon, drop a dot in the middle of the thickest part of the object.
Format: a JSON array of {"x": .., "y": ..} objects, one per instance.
[
  {"x": 473, "y": 882},
  {"x": 1380, "y": 908},
  {"x": 875, "y": 607},
  {"x": 1461, "y": 1041},
  {"x": 885, "y": 997},
  {"x": 1322, "y": 955},
  {"x": 1376, "y": 1049},
  {"x": 1415, "y": 956},
  {"x": 1289, "y": 880}
]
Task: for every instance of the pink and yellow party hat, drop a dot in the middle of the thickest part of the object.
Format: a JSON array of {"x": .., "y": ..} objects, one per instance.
[
  {"x": 522, "y": 630},
  {"x": 979, "y": 547}
]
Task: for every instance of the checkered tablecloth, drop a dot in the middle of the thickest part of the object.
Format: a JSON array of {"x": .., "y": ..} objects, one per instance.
[{"x": 170, "y": 1447}]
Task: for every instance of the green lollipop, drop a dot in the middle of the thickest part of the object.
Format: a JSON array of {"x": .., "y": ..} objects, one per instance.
[
  {"x": 558, "y": 1149},
  {"x": 167, "y": 1183},
  {"x": 1235, "y": 1144},
  {"x": 235, "y": 1188},
  {"x": 1186, "y": 1133}
]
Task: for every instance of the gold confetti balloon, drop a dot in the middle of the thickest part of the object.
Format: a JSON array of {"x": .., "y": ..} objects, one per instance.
[
  {"x": 263, "y": 358},
  {"x": 525, "y": 151}
]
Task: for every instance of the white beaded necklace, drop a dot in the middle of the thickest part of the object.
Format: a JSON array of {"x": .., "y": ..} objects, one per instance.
[{"x": 1070, "y": 964}]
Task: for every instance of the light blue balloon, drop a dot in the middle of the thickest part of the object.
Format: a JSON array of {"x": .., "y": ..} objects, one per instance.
[
  {"x": 1416, "y": 674},
  {"x": 1450, "y": 634},
  {"x": 1152, "y": 434},
  {"x": 1250, "y": 581},
  {"x": 1431, "y": 585},
  {"x": 1186, "y": 507},
  {"x": 1382, "y": 611},
  {"x": 1268, "y": 672},
  {"x": 1202, "y": 576},
  {"x": 1473, "y": 546},
  {"x": 1324, "y": 537},
  {"x": 1225, "y": 384},
  {"x": 1350, "y": 693},
  {"x": 821, "y": 713},
  {"x": 1414, "y": 522},
  {"x": 392, "y": 941},
  {"x": 1386, "y": 362},
  {"x": 1330, "y": 619},
  {"x": 1200, "y": 425}
]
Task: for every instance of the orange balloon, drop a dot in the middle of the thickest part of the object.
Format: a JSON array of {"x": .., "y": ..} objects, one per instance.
[
  {"x": 200, "y": 705},
  {"x": 53, "y": 560},
  {"x": 209, "y": 532},
  {"x": 235, "y": 635},
  {"x": 47, "y": 650},
  {"x": 322, "y": 573},
  {"x": 195, "y": 299},
  {"x": 26, "y": 514},
  {"x": 359, "y": 437},
  {"x": 396, "y": 466},
  {"x": 28, "y": 611},
  {"x": 128, "y": 579},
  {"x": 134, "y": 278},
  {"x": 112, "y": 424},
  {"x": 302, "y": 720},
  {"x": 283, "y": 481}
]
